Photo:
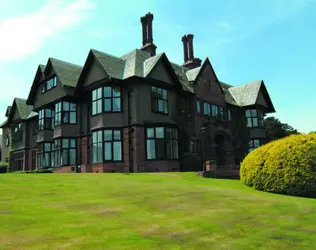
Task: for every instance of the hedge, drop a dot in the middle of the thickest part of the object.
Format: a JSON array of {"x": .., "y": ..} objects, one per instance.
[
  {"x": 285, "y": 166},
  {"x": 3, "y": 167},
  {"x": 38, "y": 171}
]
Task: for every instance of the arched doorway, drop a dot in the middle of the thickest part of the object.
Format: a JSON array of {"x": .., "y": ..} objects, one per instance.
[{"x": 220, "y": 149}]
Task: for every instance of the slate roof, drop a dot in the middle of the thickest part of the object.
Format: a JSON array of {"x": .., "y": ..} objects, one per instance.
[
  {"x": 23, "y": 109},
  {"x": 68, "y": 73}
]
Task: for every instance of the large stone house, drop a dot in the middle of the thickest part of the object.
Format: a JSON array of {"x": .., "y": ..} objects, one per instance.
[{"x": 134, "y": 113}]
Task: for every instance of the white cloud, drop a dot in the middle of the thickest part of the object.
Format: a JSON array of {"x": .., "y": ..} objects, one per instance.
[{"x": 22, "y": 36}]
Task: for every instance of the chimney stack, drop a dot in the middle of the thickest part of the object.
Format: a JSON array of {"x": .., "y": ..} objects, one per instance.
[
  {"x": 148, "y": 44},
  {"x": 185, "y": 47},
  {"x": 189, "y": 60}
]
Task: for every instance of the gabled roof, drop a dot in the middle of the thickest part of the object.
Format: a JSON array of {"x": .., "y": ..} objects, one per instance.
[
  {"x": 39, "y": 73},
  {"x": 8, "y": 111},
  {"x": 68, "y": 73},
  {"x": 21, "y": 107},
  {"x": 246, "y": 94},
  {"x": 136, "y": 63}
]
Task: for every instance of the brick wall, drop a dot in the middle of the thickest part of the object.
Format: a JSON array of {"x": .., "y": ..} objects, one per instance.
[{"x": 64, "y": 169}]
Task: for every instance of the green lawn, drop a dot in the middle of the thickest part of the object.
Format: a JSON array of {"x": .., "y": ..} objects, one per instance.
[{"x": 148, "y": 211}]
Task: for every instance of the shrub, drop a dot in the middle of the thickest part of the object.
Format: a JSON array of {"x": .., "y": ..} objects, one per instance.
[
  {"x": 38, "y": 171},
  {"x": 3, "y": 167},
  {"x": 285, "y": 166}
]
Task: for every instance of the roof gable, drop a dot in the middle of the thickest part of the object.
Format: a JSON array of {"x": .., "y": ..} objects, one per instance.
[
  {"x": 159, "y": 67},
  {"x": 67, "y": 73},
  {"x": 39, "y": 76}
]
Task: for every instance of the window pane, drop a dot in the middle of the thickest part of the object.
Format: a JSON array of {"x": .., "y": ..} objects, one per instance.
[
  {"x": 72, "y": 143},
  {"x": 164, "y": 94},
  {"x": 151, "y": 149},
  {"x": 107, "y": 151},
  {"x": 198, "y": 106},
  {"x": 117, "y": 151},
  {"x": 94, "y": 137},
  {"x": 99, "y": 136},
  {"x": 107, "y": 105},
  {"x": 255, "y": 122},
  {"x": 160, "y": 106},
  {"x": 65, "y": 160},
  {"x": 165, "y": 107},
  {"x": 160, "y": 133},
  {"x": 99, "y": 93},
  {"x": 48, "y": 113},
  {"x": 116, "y": 92},
  {"x": 107, "y": 91},
  {"x": 47, "y": 147},
  {"x": 99, "y": 152},
  {"x": 72, "y": 155},
  {"x": 249, "y": 122},
  {"x": 107, "y": 135},
  {"x": 117, "y": 135},
  {"x": 94, "y": 95},
  {"x": 73, "y": 117},
  {"x": 116, "y": 104},
  {"x": 65, "y": 117},
  {"x": 65, "y": 143},
  {"x": 154, "y": 92},
  {"x": 254, "y": 113},
  {"x": 65, "y": 106},
  {"x": 150, "y": 133},
  {"x": 99, "y": 107},
  {"x": 250, "y": 144},
  {"x": 248, "y": 114},
  {"x": 94, "y": 152},
  {"x": 256, "y": 143},
  {"x": 72, "y": 106},
  {"x": 94, "y": 108}
]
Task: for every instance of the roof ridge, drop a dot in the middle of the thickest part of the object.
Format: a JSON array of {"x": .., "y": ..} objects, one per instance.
[
  {"x": 241, "y": 85},
  {"x": 98, "y": 51},
  {"x": 73, "y": 64}
]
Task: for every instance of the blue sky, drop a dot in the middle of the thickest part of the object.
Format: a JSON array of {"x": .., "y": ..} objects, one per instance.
[{"x": 246, "y": 40}]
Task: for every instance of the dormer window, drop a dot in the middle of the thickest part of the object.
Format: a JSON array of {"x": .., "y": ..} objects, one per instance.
[{"x": 49, "y": 84}]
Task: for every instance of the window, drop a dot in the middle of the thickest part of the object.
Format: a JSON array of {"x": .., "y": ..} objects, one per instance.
[
  {"x": 214, "y": 110},
  {"x": 112, "y": 144},
  {"x": 229, "y": 115},
  {"x": 162, "y": 143},
  {"x": 207, "y": 109},
  {"x": 254, "y": 118},
  {"x": 254, "y": 143},
  {"x": 222, "y": 115},
  {"x": 44, "y": 155},
  {"x": 107, "y": 97},
  {"x": 64, "y": 152},
  {"x": 17, "y": 132},
  {"x": 107, "y": 145},
  {"x": 45, "y": 119},
  {"x": 7, "y": 140},
  {"x": 159, "y": 100},
  {"x": 194, "y": 146},
  {"x": 49, "y": 84},
  {"x": 18, "y": 161},
  {"x": 198, "y": 106},
  {"x": 65, "y": 113}
]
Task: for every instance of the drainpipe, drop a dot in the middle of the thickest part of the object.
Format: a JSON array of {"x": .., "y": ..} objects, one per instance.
[{"x": 130, "y": 131}]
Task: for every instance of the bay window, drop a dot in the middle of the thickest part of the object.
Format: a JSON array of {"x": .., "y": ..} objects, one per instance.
[
  {"x": 106, "y": 99},
  {"x": 254, "y": 143},
  {"x": 45, "y": 119},
  {"x": 44, "y": 151},
  {"x": 107, "y": 145},
  {"x": 162, "y": 143},
  {"x": 254, "y": 118},
  {"x": 65, "y": 113},
  {"x": 65, "y": 152},
  {"x": 159, "y": 100}
]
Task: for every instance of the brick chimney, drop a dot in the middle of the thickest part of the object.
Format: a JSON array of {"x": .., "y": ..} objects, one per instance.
[
  {"x": 189, "y": 60},
  {"x": 148, "y": 43}
]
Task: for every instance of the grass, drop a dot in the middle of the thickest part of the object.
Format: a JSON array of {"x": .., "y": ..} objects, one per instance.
[{"x": 148, "y": 211}]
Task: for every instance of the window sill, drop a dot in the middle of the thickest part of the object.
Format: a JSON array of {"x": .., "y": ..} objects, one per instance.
[
  {"x": 106, "y": 112},
  {"x": 162, "y": 159},
  {"x": 160, "y": 113}
]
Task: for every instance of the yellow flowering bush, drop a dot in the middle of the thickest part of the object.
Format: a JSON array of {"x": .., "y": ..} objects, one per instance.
[{"x": 285, "y": 166}]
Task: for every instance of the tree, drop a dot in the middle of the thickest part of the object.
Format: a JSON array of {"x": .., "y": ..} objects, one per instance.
[{"x": 275, "y": 129}]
